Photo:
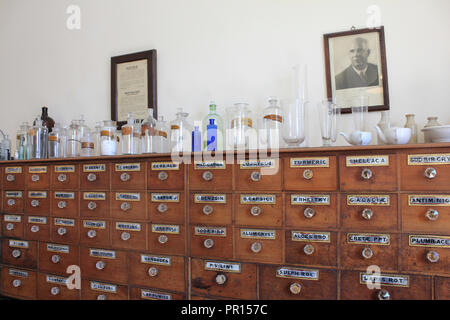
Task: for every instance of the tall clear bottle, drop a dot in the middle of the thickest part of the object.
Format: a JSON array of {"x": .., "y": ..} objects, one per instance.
[
  {"x": 149, "y": 134},
  {"x": 163, "y": 139},
  {"x": 218, "y": 121},
  {"x": 73, "y": 140},
  {"x": 108, "y": 145},
  {"x": 39, "y": 140},
  {"x": 130, "y": 136},
  {"x": 272, "y": 124},
  {"x": 181, "y": 132},
  {"x": 55, "y": 143},
  {"x": 97, "y": 137},
  {"x": 23, "y": 143}
]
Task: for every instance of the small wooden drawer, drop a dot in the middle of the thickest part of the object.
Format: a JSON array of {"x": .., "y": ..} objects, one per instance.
[
  {"x": 37, "y": 228},
  {"x": 37, "y": 202},
  {"x": 129, "y": 235},
  {"x": 425, "y": 213},
  {"x": 95, "y": 176},
  {"x": 65, "y": 177},
  {"x": 311, "y": 248},
  {"x": 19, "y": 253},
  {"x": 166, "y": 207},
  {"x": 129, "y": 205},
  {"x": 165, "y": 175},
  {"x": 425, "y": 253},
  {"x": 166, "y": 239},
  {"x": 365, "y": 286},
  {"x": 13, "y": 201},
  {"x": 152, "y": 294},
  {"x": 259, "y": 209},
  {"x": 53, "y": 287},
  {"x": 12, "y": 225},
  {"x": 258, "y": 175},
  {"x": 57, "y": 257},
  {"x": 297, "y": 283},
  {"x": 259, "y": 245},
  {"x": 161, "y": 272},
  {"x": 18, "y": 283},
  {"x": 211, "y": 175},
  {"x": 368, "y": 172},
  {"x": 65, "y": 204},
  {"x": 225, "y": 279},
  {"x": 211, "y": 241},
  {"x": 65, "y": 230},
  {"x": 105, "y": 265},
  {"x": 211, "y": 208},
  {"x": 37, "y": 177},
  {"x": 310, "y": 173},
  {"x": 441, "y": 288},
  {"x": 317, "y": 211},
  {"x": 369, "y": 211},
  {"x": 13, "y": 178},
  {"x": 128, "y": 176},
  {"x": 95, "y": 290},
  {"x": 95, "y": 232},
  {"x": 360, "y": 250},
  {"x": 425, "y": 171},
  {"x": 94, "y": 204}
]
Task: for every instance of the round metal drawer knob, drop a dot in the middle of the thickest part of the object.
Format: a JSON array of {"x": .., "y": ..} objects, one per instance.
[
  {"x": 366, "y": 174},
  {"x": 162, "y": 207},
  {"x": 100, "y": 265},
  {"x": 163, "y": 175},
  {"x": 92, "y": 205},
  {"x": 255, "y": 211},
  {"x": 295, "y": 288},
  {"x": 208, "y": 243},
  {"x": 92, "y": 177},
  {"x": 16, "y": 283},
  {"x": 35, "y": 203},
  {"x": 309, "y": 213},
  {"x": 256, "y": 247},
  {"x": 208, "y": 210},
  {"x": 54, "y": 291},
  {"x": 101, "y": 297},
  {"x": 10, "y": 178},
  {"x": 153, "y": 272},
  {"x": 62, "y": 231},
  {"x": 125, "y": 236},
  {"x": 432, "y": 256},
  {"x": 56, "y": 258},
  {"x": 308, "y": 249},
  {"x": 62, "y": 177},
  {"x": 125, "y": 206},
  {"x": 430, "y": 173},
  {"x": 367, "y": 214},
  {"x": 35, "y": 178},
  {"x": 432, "y": 215},
  {"x": 16, "y": 253},
  {"x": 308, "y": 174},
  {"x": 10, "y": 226},
  {"x": 163, "y": 239},
  {"x": 255, "y": 176},
  {"x": 367, "y": 253},
  {"x": 62, "y": 204},
  {"x": 125, "y": 177},
  {"x": 221, "y": 279},
  {"x": 92, "y": 234},
  {"x": 34, "y": 229},
  {"x": 11, "y": 202},
  {"x": 207, "y": 175},
  {"x": 384, "y": 295}
]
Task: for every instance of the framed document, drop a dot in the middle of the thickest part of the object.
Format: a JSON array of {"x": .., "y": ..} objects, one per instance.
[{"x": 133, "y": 86}]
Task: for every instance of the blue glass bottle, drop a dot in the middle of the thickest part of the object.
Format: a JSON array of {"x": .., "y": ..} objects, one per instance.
[{"x": 211, "y": 131}]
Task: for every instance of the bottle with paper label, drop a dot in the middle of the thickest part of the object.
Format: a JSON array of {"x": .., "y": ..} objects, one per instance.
[{"x": 213, "y": 115}]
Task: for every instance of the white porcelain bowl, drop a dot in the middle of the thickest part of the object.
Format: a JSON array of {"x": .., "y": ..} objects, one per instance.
[{"x": 438, "y": 133}]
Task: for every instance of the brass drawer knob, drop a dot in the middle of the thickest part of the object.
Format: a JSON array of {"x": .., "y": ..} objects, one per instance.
[
  {"x": 92, "y": 205},
  {"x": 16, "y": 253},
  {"x": 309, "y": 213},
  {"x": 163, "y": 207},
  {"x": 62, "y": 231},
  {"x": 100, "y": 265},
  {"x": 295, "y": 288},
  {"x": 54, "y": 291},
  {"x": 384, "y": 295},
  {"x": 432, "y": 215},
  {"x": 308, "y": 174},
  {"x": 56, "y": 258},
  {"x": 10, "y": 226},
  {"x": 92, "y": 177},
  {"x": 62, "y": 177},
  {"x": 163, "y": 175},
  {"x": 208, "y": 243},
  {"x": 430, "y": 173},
  {"x": 125, "y": 236},
  {"x": 34, "y": 229},
  {"x": 207, "y": 210},
  {"x": 255, "y": 176},
  {"x": 207, "y": 175},
  {"x": 432, "y": 256},
  {"x": 255, "y": 211},
  {"x": 256, "y": 247},
  {"x": 102, "y": 297},
  {"x": 35, "y": 203},
  {"x": 16, "y": 283},
  {"x": 163, "y": 239},
  {"x": 221, "y": 279},
  {"x": 125, "y": 177},
  {"x": 367, "y": 253},
  {"x": 153, "y": 272},
  {"x": 366, "y": 174},
  {"x": 92, "y": 234},
  {"x": 35, "y": 178},
  {"x": 367, "y": 214},
  {"x": 308, "y": 249},
  {"x": 125, "y": 206},
  {"x": 10, "y": 178},
  {"x": 62, "y": 204},
  {"x": 11, "y": 202}
]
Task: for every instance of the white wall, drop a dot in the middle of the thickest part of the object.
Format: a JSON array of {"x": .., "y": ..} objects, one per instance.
[{"x": 221, "y": 49}]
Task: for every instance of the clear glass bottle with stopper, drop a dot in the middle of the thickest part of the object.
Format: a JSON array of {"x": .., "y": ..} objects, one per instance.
[
  {"x": 73, "y": 140},
  {"x": 39, "y": 140},
  {"x": 96, "y": 137},
  {"x": 88, "y": 144},
  {"x": 163, "y": 139},
  {"x": 149, "y": 134},
  {"x": 55, "y": 143},
  {"x": 130, "y": 136},
  {"x": 23, "y": 143},
  {"x": 181, "y": 132},
  {"x": 272, "y": 124},
  {"x": 108, "y": 139}
]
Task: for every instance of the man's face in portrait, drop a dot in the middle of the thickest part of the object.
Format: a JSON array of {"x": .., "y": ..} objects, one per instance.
[{"x": 359, "y": 52}]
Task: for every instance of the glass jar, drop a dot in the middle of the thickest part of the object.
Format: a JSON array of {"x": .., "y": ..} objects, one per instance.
[
  {"x": 162, "y": 131},
  {"x": 55, "y": 145},
  {"x": 130, "y": 136},
  {"x": 73, "y": 140},
  {"x": 39, "y": 140},
  {"x": 88, "y": 145},
  {"x": 272, "y": 124},
  {"x": 181, "y": 132},
  {"x": 149, "y": 134},
  {"x": 23, "y": 143},
  {"x": 108, "y": 140},
  {"x": 240, "y": 133},
  {"x": 410, "y": 123},
  {"x": 96, "y": 136}
]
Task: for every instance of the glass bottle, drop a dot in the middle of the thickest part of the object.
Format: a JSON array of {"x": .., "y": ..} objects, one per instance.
[
  {"x": 55, "y": 144},
  {"x": 432, "y": 122},
  {"x": 272, "y": 124},
  {"x": 108, "y": 145},
  {"x": 181, "y": 132},
  {"x": 88, "y": 145},
  {"x": 240, "y": 126},
  {"x": 130, "y": 136},
  {"x": 46, "y": 120},
  {"x": 149, "y": 134},
  {"x": 83, "y": 127},
  {"x": 163, "y": 145},
  {"x": 6, "y": 148},
  {"x": 217, "y": 121},
  {"x": 410, "y": 123},
  {"x": 39, "y": 140},
  {"x": 73, "y": 140},
  {"x": 23, "y": 145},
  {"x": 197, "y": 139},
  {"x": 96, "y": 136},
  {"x": 383, "y": 124}
]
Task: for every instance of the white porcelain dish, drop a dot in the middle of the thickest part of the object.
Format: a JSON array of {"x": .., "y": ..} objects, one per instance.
[{"x": 438, "y": 133}]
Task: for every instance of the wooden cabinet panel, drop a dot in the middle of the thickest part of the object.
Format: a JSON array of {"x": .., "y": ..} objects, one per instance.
[
  {"x": 96, "y": 290},
  {"x": 259, "y": 209},
  {"x": 258, "y": 175},
  {"x": 65, "y": 204},
  {"x": 95, "y": 232},
  {"x": 129, "y": 206},
  {"x": 55, "y": 258},
  {"x": 37, "y": 228},
  {"x": 211, "y": 175},
  {"x": 211, "y": 208},
  {"x": 259, "y": 245},
  {"x": 18, "y": 283},
  {"x": 166, "y": 239},
  {"x": 104, "y": 264},
  {"x": 211, "y": 241},
  {"x": 166, "y": 207},
  {"x": 13, "y": 201},
  {"x": 95, "y": 176},
  {"x": 53, "y": 287},
  {"x": 65, "y": 177},
  {"x": 19, "y": 253},
  {"x": 95, "y": 204},
  {"x": 128, "y": 176},
  {"x": 13, "y": 225},
  {"x": 165, "y": 175},
  {"x": 37, "y": 177},
  {"x": 152, "y": 294},
  {"x": 14, "y": 178}
]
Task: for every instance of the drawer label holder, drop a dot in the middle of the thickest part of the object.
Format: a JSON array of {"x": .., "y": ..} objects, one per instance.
[
  {"x": 210, "y": 231},
  {"x": 429, "y": 200},
  {"x": 368, "y": 199},
  {"x": 94, "y": 224},
  {"x": 14, "y": 194},
  {"x": 18, "y": 244},
  {"x": 57, "y": 248},
  {"x": 13, "y": 170},
  {"x": 257, "y": 164},
  {"x": 12, "y": 218},
  {"x": 64, "y": 222},
  {"x": 69, "y": 169},
  {"x": 366, "y": 238},
  {"x": 151, "y": 295},
  {"x": 258, "y": 199},
  {"x": 37, "y": 220},
  {"x": 367, "y": 161},
  {"x": 384, "y": 279},
  {"x": 158, "y": 260},
  {"x": 316, "y": 162},
  {"x": 124, "y": 226},
  {"x": 306, "y": 199},
  {"x": 165, "y": 228},
  {"x": 128, "y": 167},
  {"x": 94, "y": 168},
  {"x": 56, "y": 279},
  {"x": 428, "y": 159},
  {"x": 210, "y": 198},
  {"x": 37, "y": 194},
  {"x": 165, "y": 166},
  {"x": 223, "y": 266},
  {"x": 99, "y": 253},
  {"x": 37, "y": 169},
  {"x": 94, "y": 196},
  {"x": 429, "y": 241},
  {"x": 258, "y": 234},
  {"x": 295, "y": 273},
  {"x": 165, "y": 197},
  {"x": 128, "y": 196},
  {"x": 309, "y": 236},
  {"x": 97, "y": 286},
  {"x": 18, "y": 273},
  {"x": 65, "y": 195},
  {"x": 210, "y": 165}
]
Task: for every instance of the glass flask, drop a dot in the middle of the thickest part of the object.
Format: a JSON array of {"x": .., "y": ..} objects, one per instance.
[
  {"x": 73, "y": 146},
  {"x": 130, "y": 136},
  {"x": 23, "y": 143},
  {"x": 39, "y": 140},
  {"x": 181, "y": 132},
  {"x": 218, "y": 121},
  {"x": 149, "y": 136},
  {"x": 240, "y": 126},
  {"x": 55, "y": 143},
  {"x": 88, "y": 145},
  {"x": 272, "y": 124},
  {"x": 108, "y": 140},
  {"x": 163, "y": 142}
]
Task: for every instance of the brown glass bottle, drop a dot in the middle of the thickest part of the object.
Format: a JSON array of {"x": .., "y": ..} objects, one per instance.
[{"x": 46, "y": 120}]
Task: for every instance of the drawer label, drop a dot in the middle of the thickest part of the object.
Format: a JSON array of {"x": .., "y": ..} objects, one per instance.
[
  {"x": 165, "y": 228},
  {"x": 13, "y": 170},
  {"x": 98, "y": 253},
  {"x": 64, "y": 222},
  {"x": 165, "y": 197},
  {"x": 128, "y": 196},
  {"x": 18, "y": 273},
  {"x": 367, "y": 161},
  {"x": 18, "y": 244},
  {"x": 97, "y": 286},
  {"x": 373, "y": 200},
  {"x": 37, "y": 169},
  {"x": 57, "y": 248},
  {"x": 207, "y": 231},
  {"x": 14, "y": 194},
  {"x": 321, "y": 162},
  {"x": 12, "y": 218},
  {"x": 258, "y": 198},
  {"x": 65, "y": 169},
  {"x": 429, "y": 200},
  {"x": 163, "y": 261},
  {"x": 384, "y": 279},
  {"x": 294, "y": 273},
  {"x": 37, "y": 194},
  {"x": 145, "y": 294},
  {"x": 94, "y": 168},
  {"x": 94, "y": 196},
  {"x": 304, "y": 199},
  {"x": 429, "y": 241},
  {"x": 65, "y": 195},
  {"x": 128, "y": 167},
  {"x": 253, "y": 164},
  {"x": 128, "y": 226},
  {"x": 210, "y": 198},
  {"x": 165, "y": 166},
  {"x": 364, "y": 238},
  {"x": 94, "y": 224},
  {"x": 37, "y": 220},
  {"x": 258, "y": 234},
  {"x": 210, "y": 165},
  {"x": 223, "y": 266},
  {"x": 428, "y": 159},
  {"x": 55, "y": 279},
  {"x": 309, "y": 236}
]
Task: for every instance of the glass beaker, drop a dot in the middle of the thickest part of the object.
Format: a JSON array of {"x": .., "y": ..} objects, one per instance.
[
  {"x": 294, "y": 122},
  {"x": 328, "y": 117}
]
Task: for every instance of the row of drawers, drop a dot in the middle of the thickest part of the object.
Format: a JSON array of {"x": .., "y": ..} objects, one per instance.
[
  {"x": 361, "y": 172},
  {"x": 229, "y": 280},
  {"x": 347, "y": 250}
]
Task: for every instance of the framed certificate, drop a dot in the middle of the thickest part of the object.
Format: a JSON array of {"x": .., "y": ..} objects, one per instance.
[{"x": 133, "y": 86}]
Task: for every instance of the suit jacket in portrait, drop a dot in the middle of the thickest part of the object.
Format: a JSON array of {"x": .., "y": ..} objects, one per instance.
[{"x": 350, "y": 79}]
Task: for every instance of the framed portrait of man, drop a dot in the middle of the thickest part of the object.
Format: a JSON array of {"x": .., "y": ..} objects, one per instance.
[{"x": 355, "y": 63}]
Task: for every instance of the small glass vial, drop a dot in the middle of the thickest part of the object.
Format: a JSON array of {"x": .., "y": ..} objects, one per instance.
[
  {"x": 108, "y": 144},
  {"x": 55, "y": 143},
  {"x": 39, "y": 140},
  {"x": 130, "y": 137},
  {"x": 88, "y": 145}
]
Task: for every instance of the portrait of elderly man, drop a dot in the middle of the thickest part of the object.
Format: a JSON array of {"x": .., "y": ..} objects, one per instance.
[{"x": 360, "y": 73}]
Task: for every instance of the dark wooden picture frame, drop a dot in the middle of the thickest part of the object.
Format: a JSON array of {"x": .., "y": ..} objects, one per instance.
[
  {"x": 382, "y": 77},
  {"x": 150, "y": 56}
]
